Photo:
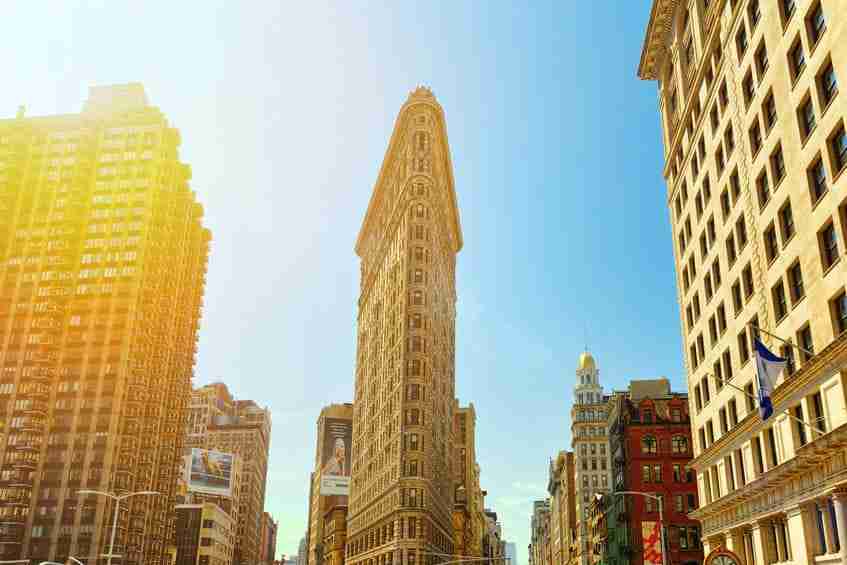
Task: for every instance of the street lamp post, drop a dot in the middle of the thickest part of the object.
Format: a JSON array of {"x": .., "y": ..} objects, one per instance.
[
  {"x": 117, "y": 500},
  {"x": 658, "y": 499}
]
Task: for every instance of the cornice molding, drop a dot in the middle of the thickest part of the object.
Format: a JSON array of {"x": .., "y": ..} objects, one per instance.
[
  {"x": 655, "y": 39},
  {"x": 828, "y": 362}
]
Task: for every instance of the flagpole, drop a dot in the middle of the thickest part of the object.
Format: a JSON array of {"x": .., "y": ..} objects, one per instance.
[
  {"x": 783, "y": 340},
  {"x": 755, "y": 399}
]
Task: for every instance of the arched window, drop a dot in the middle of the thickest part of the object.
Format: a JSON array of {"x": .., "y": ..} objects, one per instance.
[
  {"x": 679, "y": 444},
  {"x": 648, "y": 445}
]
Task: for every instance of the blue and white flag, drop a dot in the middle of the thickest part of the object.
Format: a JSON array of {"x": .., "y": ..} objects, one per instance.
[{"x": 768, "y": 368}]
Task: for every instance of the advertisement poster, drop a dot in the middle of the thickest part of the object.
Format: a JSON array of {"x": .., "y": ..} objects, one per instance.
[
  {"x": 651, "y": 537},
  {"x": 210, "y": 472},
  {"x": 335, "y": 464}
]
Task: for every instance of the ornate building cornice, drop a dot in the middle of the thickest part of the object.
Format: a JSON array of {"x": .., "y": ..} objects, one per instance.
[
  {"x": 829, "y": 361},
  {"x": 420, "y": 96},
  {"x": 655, "y": 40}
]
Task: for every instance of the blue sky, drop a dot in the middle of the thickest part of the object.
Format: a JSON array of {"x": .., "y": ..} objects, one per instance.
[{"x": 285, "y": 113}]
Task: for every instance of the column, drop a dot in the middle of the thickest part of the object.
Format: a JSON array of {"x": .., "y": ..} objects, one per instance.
[
  {"x": 706, "y": 546},
  {"x": 749, "y": 556},
  {"x": 829, "y": 532},
  {"x": 760, "y": 542},
  {"x": 776, "y": 532},
  {"x": 735, "y": 542},
  {"x": 839, "y": 499},
  {"x": 801, "y": 531}
]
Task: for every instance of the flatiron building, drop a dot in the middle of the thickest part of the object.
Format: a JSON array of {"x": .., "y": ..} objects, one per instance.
[{"x": 401, "y": 497}]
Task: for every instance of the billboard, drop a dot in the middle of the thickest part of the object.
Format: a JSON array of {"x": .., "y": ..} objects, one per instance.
[
  {"x": 652, "y": 538},
  {"x": 210, "y": 472},
  {"x": 335, "y": 462}
]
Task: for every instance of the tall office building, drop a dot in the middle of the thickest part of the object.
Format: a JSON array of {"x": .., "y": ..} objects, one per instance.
[
  {"x": 753, "y": 125},
  {"x": 563, "y": 521},
  {"x": 334, "y": 423},
  {"x": 590, "y": 444},
  {"x": 539, "y": 548},
  {"x": 401, "y": 497},
  {"x": 217, "y": 421},
  {"x": 468, "y": 504},
  {"x": 267, "y": 551},
  {"x": 102, "y": 268}
]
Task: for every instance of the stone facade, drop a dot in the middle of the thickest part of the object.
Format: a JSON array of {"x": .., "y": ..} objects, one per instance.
[
  {"x": 102, "y": 269},
  {"x": 590, "y": 445},
  {"x": 401, "y": 499},
  {"x": 468, "y": 506},
  {"x": 563, "y": 520},
  {"x": 755, "y": 154}
]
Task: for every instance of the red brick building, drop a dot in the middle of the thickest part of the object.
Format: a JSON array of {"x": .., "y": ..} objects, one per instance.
[{"x": 650, "y": 440}]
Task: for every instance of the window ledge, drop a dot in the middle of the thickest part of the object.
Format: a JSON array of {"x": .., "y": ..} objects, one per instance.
[{"x": 834, "y": 264}]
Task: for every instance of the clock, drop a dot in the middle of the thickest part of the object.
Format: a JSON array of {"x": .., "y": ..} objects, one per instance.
[{"x": 722, "y": 556}]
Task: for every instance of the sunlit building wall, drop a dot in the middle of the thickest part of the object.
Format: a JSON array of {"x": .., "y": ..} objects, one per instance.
[
  {"x": 753, "y": 124},
  {"x": 102, "y": 268},
  {"x": 401, "y": 498}
]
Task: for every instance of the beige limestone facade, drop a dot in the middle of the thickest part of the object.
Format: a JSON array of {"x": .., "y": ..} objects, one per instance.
[
  {"x": 563, "y": 521},
  {"x": 753, "y": 125},
  {"x": 469, "y": 501},
  {"x": 401, "y": 499},
  {"x": 590, "y": 445}
]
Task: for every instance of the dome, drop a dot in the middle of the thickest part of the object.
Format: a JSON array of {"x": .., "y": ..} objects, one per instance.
[{"x": 586, "y": 361}]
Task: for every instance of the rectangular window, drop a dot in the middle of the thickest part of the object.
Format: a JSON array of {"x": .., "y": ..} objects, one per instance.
[
  {"x": 747, "y": 279},
  {"x": 741, "y": 232},
  {"x": 733, "y": 413},
  {"x": 741, "y": 41},
  {"x": 725, "y": 204},
  {"x": 743, "y": 350},
  {"x": 749, "y": 397},
  {"x": 827, "y": 84},
  {"x": 769, "y": 111},
  {"x": 729, "y": 139},
  {"x": 806, "y": 118},
  {"x": 748, "y": 87},
  {"x": 758, "y": 459},
  {"x": 838, "y": 149},
  {"x": 786, "y": 222},
  {"x": 721, "y": 319},
  {"x": 777, "y": 165},
  {"x": 763, "y": 189},
  {"x": 795, "y": 281},
  {"x": 796, "y": 59},
  {"x": 730, "y": 249},
  {"x": 771, "y": 242},
  {"x": 780, "y": 305},
  {"x": 737, "y": 301},
  {"x": 773, "y": 454},
  {"x": 804, "y": 340},
  {"x": 761, "y": 60},
  {"x": 838, "y": 306},
  {"x": 727, "y": 364},
  {"x": 754, "y": 13},
  {"x": 799, "y": 424},
  {"x": 828, "y": 242},
  {"x": 815, "y": 23}
]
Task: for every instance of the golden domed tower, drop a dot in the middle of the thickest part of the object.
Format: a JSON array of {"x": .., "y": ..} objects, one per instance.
[{"x": 590, "y": 442}]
